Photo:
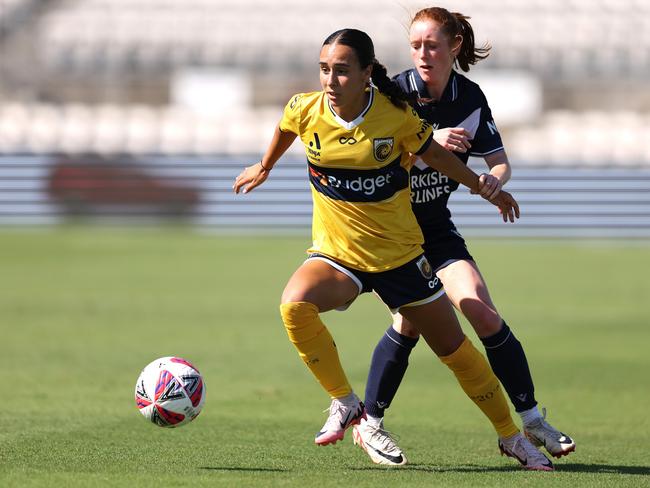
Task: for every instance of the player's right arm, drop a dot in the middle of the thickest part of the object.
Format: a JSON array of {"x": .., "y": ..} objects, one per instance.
[
  {"x": 285, "y": 133},
  {"x": 253, "y": 176}
]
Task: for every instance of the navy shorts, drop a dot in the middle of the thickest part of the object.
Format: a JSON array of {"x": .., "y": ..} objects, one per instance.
[
  {"x": 443, "y": 248},
  {"x": 411, "y": 284}
]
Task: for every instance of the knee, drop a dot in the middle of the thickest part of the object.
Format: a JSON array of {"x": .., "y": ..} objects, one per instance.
[
  {"x": 450, "y": 345},
  {"x": 292, "y": 295},
  {"x": 485, "y": 320},
  {"x": 301, "y": 321},
  {"x": 294, "y": 314}
]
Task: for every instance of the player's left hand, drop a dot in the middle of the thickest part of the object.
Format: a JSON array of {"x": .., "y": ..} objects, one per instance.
[
  {"x": 508, "y": 206},
  {"x": 453, "y": 139},
  {"x": 252, "y": 177},
  {"x": 489, "y": 186}
]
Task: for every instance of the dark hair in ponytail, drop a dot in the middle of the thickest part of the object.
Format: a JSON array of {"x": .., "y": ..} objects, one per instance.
[
  {"x": 364, "y": 49},
  {"x": 388, "y": 87},
  {"x": 456, "y": 24}
]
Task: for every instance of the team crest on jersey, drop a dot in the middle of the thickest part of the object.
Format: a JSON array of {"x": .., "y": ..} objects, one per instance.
[
  {"x": 425, "y": 267},
  {"x": 383, "y": 147}
]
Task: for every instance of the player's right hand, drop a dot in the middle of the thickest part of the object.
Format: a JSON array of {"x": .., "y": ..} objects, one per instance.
[
  {"x": 453, "y": 138},
  {"x": 508, "y": 206},
  {"x": 252, "y": 177}
]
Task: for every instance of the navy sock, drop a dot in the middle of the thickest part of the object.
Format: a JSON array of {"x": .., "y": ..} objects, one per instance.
[
  {"x": 509, "y": 364},
  {"x": 389, "y": 362}
]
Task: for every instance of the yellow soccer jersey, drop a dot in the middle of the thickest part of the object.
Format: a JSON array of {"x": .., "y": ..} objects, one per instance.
[{"x": 358, "y": 172}]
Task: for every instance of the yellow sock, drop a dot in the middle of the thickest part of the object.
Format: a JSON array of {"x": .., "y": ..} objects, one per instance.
[
  {"x": 480, "y": 384},
  {"x": 315, "y": 346}
]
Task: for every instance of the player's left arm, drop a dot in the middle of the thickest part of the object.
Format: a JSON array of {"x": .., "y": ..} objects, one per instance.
[
  {"x": 419, "y": 140},
  {"x": 446, "y": 162},
  {"x": 487, "y": 144},
  {"x": 490, "y": 184}
]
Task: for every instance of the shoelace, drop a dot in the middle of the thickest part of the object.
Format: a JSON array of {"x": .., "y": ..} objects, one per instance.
[
  {"x": 548, "y": 426},
  {"x": 336, "y": 407},
  {"x": 528, "y": 448},
  {"x": 384, "y": 437}
]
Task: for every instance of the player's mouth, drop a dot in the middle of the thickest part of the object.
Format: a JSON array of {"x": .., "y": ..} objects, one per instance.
[
  {"x": 333, "y": 96},
  {"x": 427, "y": 68}
]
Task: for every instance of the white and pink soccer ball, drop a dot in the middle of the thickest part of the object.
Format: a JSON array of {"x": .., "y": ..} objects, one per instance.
[{"x": 170, "y": 392}]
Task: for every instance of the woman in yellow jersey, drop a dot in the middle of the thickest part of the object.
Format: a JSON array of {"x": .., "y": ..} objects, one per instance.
[{"x": 358, "y": 138}]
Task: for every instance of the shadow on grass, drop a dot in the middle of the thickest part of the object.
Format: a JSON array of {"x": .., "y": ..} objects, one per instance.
[
  {"x": 566, "y": 468},
  {"x": 427, "y": 468},
  {"x": 603, "y": 468},
  {"x": 238, "y": 468},
  {"x": 560, "y": 468}
]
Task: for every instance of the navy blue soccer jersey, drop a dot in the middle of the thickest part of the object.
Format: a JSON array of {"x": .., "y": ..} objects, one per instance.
[{"x": 462, "y": 104}]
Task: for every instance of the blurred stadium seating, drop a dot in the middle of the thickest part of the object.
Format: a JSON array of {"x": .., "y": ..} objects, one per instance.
[
  {"x": 102, "y": 76},
  {"x": 551, "y": 37},
  {"x": 103, "y": 71},
  {"x": 13, "y": 13}
]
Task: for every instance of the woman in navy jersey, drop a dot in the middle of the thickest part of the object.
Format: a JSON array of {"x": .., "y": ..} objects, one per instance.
[{"x": 462, "y": 122}]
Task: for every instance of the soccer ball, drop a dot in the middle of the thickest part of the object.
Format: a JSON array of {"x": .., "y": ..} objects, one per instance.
[{"x": 170, "y": 392}]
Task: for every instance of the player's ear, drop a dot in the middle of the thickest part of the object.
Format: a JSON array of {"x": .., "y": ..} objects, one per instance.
[
  {"x": 367, "y": 74},
  {"x": 456, "y": 44}
]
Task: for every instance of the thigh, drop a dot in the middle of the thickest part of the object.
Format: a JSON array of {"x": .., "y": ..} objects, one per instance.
[
  {"x": 438, "y": 324},
  {"x": 319, "y": 283},
  {"x": 465, "y": 285},
  {"x": 445, "y": 247}
]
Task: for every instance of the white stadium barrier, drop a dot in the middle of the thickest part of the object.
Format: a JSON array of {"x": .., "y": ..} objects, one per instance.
[{"x": 590, "y": 138}]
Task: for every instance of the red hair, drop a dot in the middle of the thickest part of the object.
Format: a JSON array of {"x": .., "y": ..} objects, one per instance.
[{"x": 452, "y": 25}]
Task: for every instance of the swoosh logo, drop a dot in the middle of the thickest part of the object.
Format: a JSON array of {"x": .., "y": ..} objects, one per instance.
[
  {"x": 345, "y": 421},
  {"x": 524, "y": 461},
  {"x": 352, "y": 415},
  {"x": 395, "y": 459}
]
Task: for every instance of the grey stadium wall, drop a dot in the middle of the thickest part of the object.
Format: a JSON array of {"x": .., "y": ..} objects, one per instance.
[{"x": 565, "y": 201}]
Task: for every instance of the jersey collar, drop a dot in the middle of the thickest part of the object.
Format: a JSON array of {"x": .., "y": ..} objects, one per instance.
[
  {"x": 449, "y": 94},
  {"x": 354, "y": 123}
]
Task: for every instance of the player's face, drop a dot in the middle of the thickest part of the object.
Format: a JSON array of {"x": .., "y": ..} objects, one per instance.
[
  {"x": 432, "y": 51},
  {"x": 343, "y": 80}
]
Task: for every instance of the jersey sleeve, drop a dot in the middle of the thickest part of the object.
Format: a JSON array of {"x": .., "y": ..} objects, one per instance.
[
  {"x": 487, "y": 139},
  {"x": 290, "y": 121},
  {"x": 416, "y": 133}
]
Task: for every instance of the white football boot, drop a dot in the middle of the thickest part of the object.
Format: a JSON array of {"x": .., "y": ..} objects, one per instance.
[
  {"x": 378, "y": 444},
  {"x": 520, "y": 448},
  {"x": 343, "y": 413},
  {"x": 541, "y": 433}
]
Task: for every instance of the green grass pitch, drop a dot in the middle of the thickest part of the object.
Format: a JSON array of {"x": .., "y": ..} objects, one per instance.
[{"x": 82, "y": 310}]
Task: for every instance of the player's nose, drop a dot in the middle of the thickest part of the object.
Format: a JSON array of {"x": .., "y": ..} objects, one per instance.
[{"x": 331, "y": 79}]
